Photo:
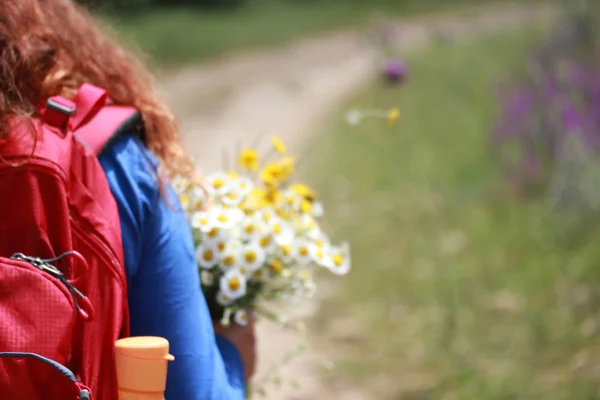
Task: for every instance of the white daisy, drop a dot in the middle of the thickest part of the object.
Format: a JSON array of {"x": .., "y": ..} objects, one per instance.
[
  {"x": 302, "y": 252},
  {"x": 267, "y": 242},
  {"x": 252, "y": 256},
  {"x": 292, "y": 200},
  {"x": 241, "y": 317},
  {"x": 286, "y": 253},
  {"x": 321, "y": 255},
  {"x": 267, "y": 214},
  {"x": 251, "y": 227},
  {"x": 232, "y": 198},
  {"x": 233, "y": 284},
  {"x": 207, "y": 255},
  {"x": 321, "y": 241},
  {"x": 340, "y": 257},
  {"x": 225, "y": 218},
  {"x": 244, "y": 185},
  {"x": 198, "y": 199},
  {"x": 230, "y": 257},
  {"x": 207, "y": 278},
  {"x": 280, "y": 230},
  {"x": 218, "y": 183},
  {"x": 212, "y": 236},
  {"x": 200, "y": 220},
  {"x": 223, "y": 299}
]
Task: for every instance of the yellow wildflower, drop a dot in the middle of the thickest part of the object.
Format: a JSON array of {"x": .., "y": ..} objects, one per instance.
[
  {"x": 256, "y": 199},
  {"x": 279, "y": 145},
  {"x": 306, "y": 206},
  {"x": 249, "y": 159},
  {"x": 304, "y": 191},
  {"x": 272, "y": 174},
  {"x": 393, "y": 115},
  {"x": 287, "y": 166},
  {"x": 272, "y": 196}
]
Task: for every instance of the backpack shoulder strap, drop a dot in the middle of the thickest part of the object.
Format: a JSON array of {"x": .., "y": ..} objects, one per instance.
[{"x": 97, "y": 122}]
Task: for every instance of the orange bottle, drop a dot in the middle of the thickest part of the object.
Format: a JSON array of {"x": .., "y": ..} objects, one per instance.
[{"x": 142, "y": 367}]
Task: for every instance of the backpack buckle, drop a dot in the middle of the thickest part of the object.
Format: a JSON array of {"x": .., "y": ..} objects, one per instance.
[
  {"x": 58, "y": 111},
  {"x": 68, "y": 109}
]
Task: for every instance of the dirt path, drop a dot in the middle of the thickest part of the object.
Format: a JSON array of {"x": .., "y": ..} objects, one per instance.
[{"x": 288, "y": 92}]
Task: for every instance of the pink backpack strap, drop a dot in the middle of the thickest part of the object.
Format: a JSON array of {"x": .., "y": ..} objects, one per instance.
[{"x": 97, "y": 122}]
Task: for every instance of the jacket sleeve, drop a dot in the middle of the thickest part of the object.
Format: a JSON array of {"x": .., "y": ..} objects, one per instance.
[{"x": 164, "y": 292}]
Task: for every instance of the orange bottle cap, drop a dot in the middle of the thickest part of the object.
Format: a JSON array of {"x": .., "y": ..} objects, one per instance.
[{"x": 144, "y": 347}]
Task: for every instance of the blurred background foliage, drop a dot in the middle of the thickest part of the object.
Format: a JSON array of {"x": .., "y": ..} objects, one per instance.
[{"x": 176, "y": 32}]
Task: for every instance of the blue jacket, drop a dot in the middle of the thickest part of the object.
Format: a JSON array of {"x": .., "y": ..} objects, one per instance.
[{"x": 164, "y": 292}]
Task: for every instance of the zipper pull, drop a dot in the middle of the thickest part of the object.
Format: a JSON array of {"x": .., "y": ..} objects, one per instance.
[{"x": 84, "y": 306}]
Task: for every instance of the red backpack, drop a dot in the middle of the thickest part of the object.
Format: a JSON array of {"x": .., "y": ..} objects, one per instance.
[{"x": 63, "y": 297}]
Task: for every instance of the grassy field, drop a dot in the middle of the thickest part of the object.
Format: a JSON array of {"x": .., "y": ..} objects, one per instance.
[
  {"x": 459, "y": 291},
  {"x": 179, "y": 35}
]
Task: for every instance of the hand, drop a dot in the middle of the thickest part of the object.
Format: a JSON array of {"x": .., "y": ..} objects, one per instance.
[{"x": 244, "y": 339}]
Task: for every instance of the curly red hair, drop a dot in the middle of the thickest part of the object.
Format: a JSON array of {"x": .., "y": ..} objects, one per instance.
[{"x": 51, "y": 47}]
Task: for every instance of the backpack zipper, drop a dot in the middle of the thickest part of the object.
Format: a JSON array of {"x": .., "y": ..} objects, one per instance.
[
  {"x": 90, "y": 236},
  {"x": 84, "y": 393},
  {"x": 82, "y": 303}
]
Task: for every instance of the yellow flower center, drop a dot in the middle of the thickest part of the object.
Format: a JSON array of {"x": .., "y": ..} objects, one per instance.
[
  {"x": 276, "y": 266},
  {"x": 303, "y": 251},
  {"x": 221, "y": 246},
  {"x": 250, "y": 256},
  {"x": 320, "y": 243},
  {"x": 267, "y": 216},
  {"x": 338, "y": 260},
  {"x": 234, "y": 284},
  {"x": 222, "y": 218},
  {"x": 249, "y": 228},
  {"x": 258, "y": 274},
  {"x": 277, "y": 228},
  {"x": 208, "y": 255},
  {"x": 319, "y": 254},
  {"x": 286, "y": 250},
  {"x": 213, "y": 233},
  {"x": 229, "y": 260},
  {"x": 218, "y": 183},
  {"x": 265, "y": 241}
]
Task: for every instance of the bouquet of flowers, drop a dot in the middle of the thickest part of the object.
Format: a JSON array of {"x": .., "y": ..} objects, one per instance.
[{"x": 257, "y": 235}]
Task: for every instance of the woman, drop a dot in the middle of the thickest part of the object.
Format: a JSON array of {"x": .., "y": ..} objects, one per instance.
[{"x": 52, "y": 47}]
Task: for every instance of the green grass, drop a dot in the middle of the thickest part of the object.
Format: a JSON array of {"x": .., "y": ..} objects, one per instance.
[
  {"x": 179, "y": 35},
  {"x": 459, "y": 291}
]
